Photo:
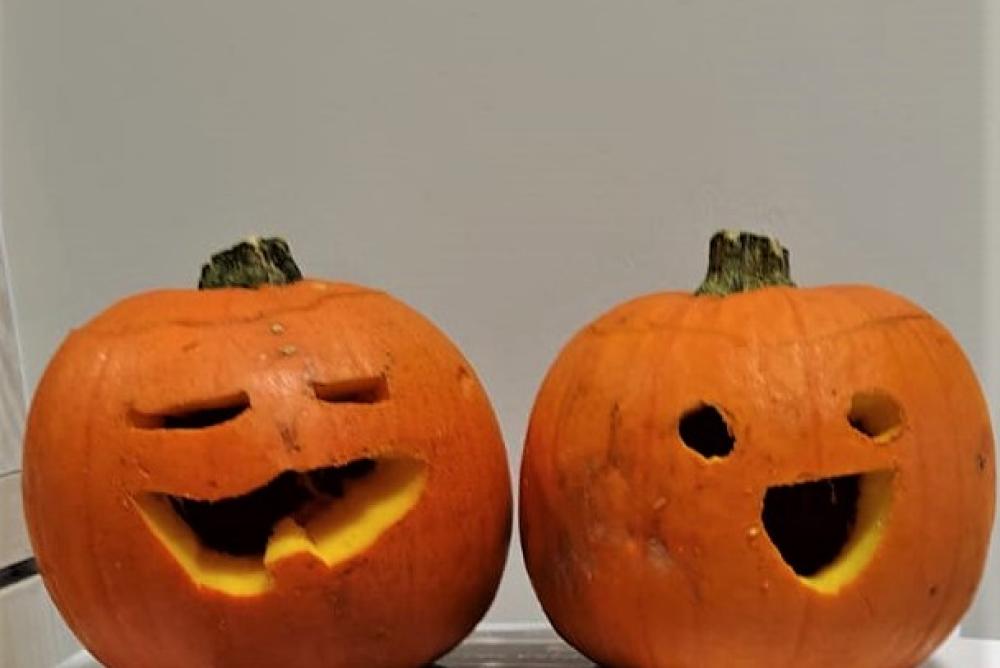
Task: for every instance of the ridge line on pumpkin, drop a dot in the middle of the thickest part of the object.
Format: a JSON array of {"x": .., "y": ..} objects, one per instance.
[
  {"x": 598, "y": 330},
  {"x": 96, "y": 328}
]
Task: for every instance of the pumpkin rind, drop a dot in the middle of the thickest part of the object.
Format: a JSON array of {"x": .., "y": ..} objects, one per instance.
[
  {"x": 406, "y": 599},
  {"x": 645, "y": 553}
]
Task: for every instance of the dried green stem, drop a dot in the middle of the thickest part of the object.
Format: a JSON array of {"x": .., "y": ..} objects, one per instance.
[
  {"x": 250, "y": 264},
  {"x": 742, "y": 261}
]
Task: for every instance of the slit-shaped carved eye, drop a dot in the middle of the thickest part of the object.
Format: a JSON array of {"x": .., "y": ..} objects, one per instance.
[
  {"x": 876, "y": 415},
  {"x": 353, "y": 391},
  {"x": 194, "y": 415}
]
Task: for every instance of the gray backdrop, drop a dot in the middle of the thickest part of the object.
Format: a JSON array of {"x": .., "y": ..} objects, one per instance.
[{"x": 511, "y": 169}]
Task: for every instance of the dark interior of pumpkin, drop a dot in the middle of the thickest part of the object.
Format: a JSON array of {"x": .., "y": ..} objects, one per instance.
[
  {"x": 810, "y": 522},
  {"x": 704, "y": 430},
  {"x": 241, "y": 525}
]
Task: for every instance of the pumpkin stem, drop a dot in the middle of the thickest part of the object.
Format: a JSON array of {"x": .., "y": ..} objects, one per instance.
[
  {"x": 741, "y": 261},
  {"x": 250, "y": 264}
]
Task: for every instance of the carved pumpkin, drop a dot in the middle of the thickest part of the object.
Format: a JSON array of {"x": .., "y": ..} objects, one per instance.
[
  {"x": 758, "y": 475},
  {"x": 298, "y": 474}
]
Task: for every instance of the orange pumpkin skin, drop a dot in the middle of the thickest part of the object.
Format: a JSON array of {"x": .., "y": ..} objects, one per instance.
[
  {"x": 408, "y": 598},
  {"x": 645, "y": 553}
]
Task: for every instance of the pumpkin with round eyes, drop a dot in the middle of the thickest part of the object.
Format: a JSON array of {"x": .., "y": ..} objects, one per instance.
[
  {"x": 277, "y": 472},
  {"x": 758, "y": 475}
]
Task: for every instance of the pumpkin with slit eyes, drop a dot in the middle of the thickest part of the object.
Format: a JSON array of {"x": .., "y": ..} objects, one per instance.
[
  {"x": 758, "y": 475},
  {"x": 274, "y": 472}
]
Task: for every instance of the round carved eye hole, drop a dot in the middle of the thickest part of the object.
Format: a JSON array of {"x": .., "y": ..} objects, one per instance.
[
  {"x": 704, "y": 430},
  {"x": 876, "y": 415}
]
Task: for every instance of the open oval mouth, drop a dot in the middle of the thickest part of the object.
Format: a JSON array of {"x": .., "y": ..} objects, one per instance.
[
  {"x": 332, "y": 513},
  {"x": 827, "y": 530}
]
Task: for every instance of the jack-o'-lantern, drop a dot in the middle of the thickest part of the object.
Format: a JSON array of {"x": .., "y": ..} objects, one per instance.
[
  {"x": 270, "y": 471},
  {"x": 758, "y": 475}
]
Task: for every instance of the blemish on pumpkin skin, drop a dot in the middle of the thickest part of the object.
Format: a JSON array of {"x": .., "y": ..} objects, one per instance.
[
  {"x": 465, "y": 381},
  {"x": 597, "y": 532},
  {"x": 981, "y": 462},
  {"x": 277, "y": 328},
  {"x": 616, "y": 458},
  {"x": 189, "y": 347},
  {"x": 289, "y": 438},
  {"x": 656, "y": 552},
  {"x": 288, "y": 351}
]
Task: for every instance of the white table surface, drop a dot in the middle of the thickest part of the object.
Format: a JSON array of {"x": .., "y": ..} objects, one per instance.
[{"x": 538, "y": 647}]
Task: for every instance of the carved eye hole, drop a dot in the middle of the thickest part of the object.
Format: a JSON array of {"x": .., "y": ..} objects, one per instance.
[
  {"x": 876, "y": 415},
  {"x": 353, "y": 391},
  {"x": 704, "y": 430},
  {"x": 194, "y": 415}
]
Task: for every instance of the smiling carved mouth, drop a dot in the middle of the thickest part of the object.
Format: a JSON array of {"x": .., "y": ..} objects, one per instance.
[
  {"x": 242, "y": 525},
  {"x": 827, "y": 530},
  {"x": 331, "y": 513}
]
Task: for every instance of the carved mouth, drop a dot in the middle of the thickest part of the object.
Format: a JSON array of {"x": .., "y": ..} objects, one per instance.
[
  {"x": 331, "y": 513},
  {"x": 827, "y": 530}
]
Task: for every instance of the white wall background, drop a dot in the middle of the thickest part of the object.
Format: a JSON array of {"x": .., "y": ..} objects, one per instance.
[
  {"x": 985, "y": 618},
  {"x": 511, "y": 168}
]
